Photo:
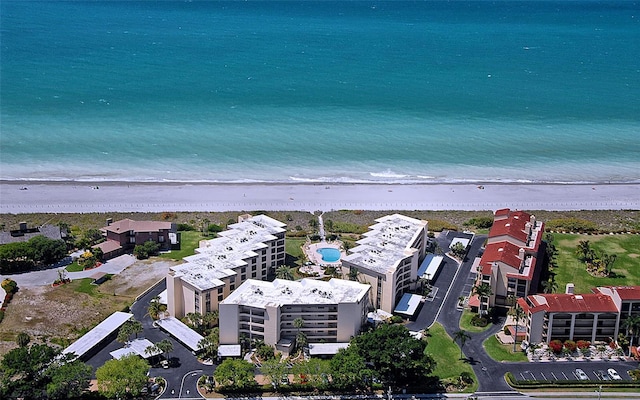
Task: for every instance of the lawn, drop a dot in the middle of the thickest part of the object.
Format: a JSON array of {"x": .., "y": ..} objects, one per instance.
[
  {"x": 570, "y": 269},
  {"x": 189, "y": 241},
  {"x": 503, "y": 352},
  {"x": 465, "y": 323},
  {"x": 74, "y": 267},
  {"x": 446, "y": 353},
  {"x": 293, "y": 248}
]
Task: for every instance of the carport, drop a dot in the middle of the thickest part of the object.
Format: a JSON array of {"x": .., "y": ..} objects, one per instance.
[{"x": 180, "y": 332}]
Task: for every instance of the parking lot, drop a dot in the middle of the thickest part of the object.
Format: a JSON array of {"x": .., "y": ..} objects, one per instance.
[{"x": 569, "y": 373}]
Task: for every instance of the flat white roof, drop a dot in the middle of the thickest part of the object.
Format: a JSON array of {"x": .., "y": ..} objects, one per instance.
[
  {"x": 96, "y": 335},
  {"x": 163, "y": 297},
  {"x": 281, "y": 292},
  {"x": 218, "y": 258},
  {"x": 408, "y": 304},
  {"x": 378, "y": 315},
  {"x": 319, "y": 349},
  {"x": 465, "y": 242},
  {"x": 137, "y": 347},
  {"x": 229, "y": 350},
  {"x": 430, "y": 266},
  {"x": 386, "y": 243},
  {"x": 180, "y": 331}
]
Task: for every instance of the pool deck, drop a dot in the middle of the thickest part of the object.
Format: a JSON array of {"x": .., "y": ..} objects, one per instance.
[{"x": 311, "y": 251}]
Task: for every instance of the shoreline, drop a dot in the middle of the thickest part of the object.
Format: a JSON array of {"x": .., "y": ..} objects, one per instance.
[{"x": 83, "y": 197}]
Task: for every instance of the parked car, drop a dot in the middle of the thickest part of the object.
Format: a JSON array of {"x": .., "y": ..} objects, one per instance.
[
  {"x": 614, "y": 374},
  {"x": 603, "y": 376},
  {"x": 581, "y": 375}
]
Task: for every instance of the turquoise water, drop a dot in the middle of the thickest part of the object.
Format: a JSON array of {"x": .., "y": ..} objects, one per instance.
[
  {"x": 305, "y": 91},
  {"x": 329, "y": 254}
]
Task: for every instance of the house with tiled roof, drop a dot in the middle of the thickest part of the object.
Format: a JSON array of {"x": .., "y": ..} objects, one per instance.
[
  {"x": 511, "y": 262},
  {"x": 597, "y": 316},
  {"x": 122, "y": 236}
]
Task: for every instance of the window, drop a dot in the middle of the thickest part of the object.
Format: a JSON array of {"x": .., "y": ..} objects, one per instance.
[
  {"x": 160, "y": 239},
  {"x": 220, "y": 298},
  {"x": 253, "y": 274}
]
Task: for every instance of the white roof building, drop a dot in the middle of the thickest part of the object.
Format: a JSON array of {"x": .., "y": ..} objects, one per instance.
[
  {"x": 97, "y": 335},
  {"x": 332, "y": 311},
  {"x": 249, "y": 249},
  {"x": 388, "y": 257}
]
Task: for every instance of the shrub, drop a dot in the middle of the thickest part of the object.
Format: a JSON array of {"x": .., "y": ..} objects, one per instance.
[
  {"x": 477, "y": 320},
  {"x": 438, "y": 225},
  {"x": 556, "y": 346},
  {"x": 265, "y": 352},
  {"x": 480, "y": 222},
  {"x": 570, "y": 345},
  {"x": 168, "y": 216},
  {"x": 396, "y": 319},
  {"x": 635, "y": 374},
  {"x": 144, "y": 251},
  {"x": 9, "y": 285},
  {"x": 572, "y": 225},
  {"x": 506, "y": 330},
  {"x": 583, "y": 344},
  {"x": 215, "y": 228},
  {"x": 185, "y": 227}
]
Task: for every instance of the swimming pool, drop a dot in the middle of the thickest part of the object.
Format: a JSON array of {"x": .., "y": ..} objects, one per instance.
[{"x": 329, "y": 254}]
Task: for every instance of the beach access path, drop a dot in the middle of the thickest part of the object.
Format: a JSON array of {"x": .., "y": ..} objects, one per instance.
[{"x": 80, "y": 197}]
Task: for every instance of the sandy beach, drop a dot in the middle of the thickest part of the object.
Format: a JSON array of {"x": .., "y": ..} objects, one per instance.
[{"x": 81, "y": 197}]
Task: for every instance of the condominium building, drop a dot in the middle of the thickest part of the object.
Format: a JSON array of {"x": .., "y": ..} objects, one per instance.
[
  {"x": 331, "y": 312},
  {"x": 511, "y": 262},
  {"x": 388, "y": 257},
  {"x": 249, "y": 249},
  {"x": 597, "y": 316}
]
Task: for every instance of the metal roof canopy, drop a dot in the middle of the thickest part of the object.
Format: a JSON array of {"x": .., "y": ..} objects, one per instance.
[
  {"x": 180, "y": 331},
  {"x": 96, "y": 335},
  {"x": 229, "y": 350},
  {"x": 319, "y": 349},
  {"x": 408, "y": 304},
  {"x": 430, "y": 267}
]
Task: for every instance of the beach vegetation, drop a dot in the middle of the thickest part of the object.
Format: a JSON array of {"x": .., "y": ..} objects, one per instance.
[
  {"x": 625, "y": 271},
  {"x": 572, "y": 224},
  {"x": 185, "y": 227},
  {"x": 89, "y": 238},
  {"x": 480, "y": 222}
]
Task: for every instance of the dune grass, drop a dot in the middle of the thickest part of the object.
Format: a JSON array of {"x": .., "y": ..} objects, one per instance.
[
  {"x": 503, "y": 352},
  {"x": 446, "y": 353},
  {"x": 626, "y": 269}
]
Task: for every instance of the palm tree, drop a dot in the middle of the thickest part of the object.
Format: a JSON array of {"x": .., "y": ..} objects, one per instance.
[
  {"x": 165, "y": 346},
  {"x": 284, "y": 272},
  {"x": 632, "y": 325},
  {"x": 211, "y": 318},
  {"x": 301, "y": 337},
  {"x": 155, "y": 308},
  {"x": 517, "y": 313},
  {"x": 584, "y": 251},
  {"x": 549, "y": 286},
  {"x": 209, "y": 344},
  {"x": 461, "y": 336},
  {"x": 23, "y": 339},
  {"x": 484, "y": 292}
]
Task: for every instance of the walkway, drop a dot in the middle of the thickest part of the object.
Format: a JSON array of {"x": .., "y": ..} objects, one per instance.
[{"x": 46, "y": 277}]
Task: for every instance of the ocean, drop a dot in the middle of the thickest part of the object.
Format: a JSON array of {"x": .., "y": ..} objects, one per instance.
[{"x": 320, "y": 91}]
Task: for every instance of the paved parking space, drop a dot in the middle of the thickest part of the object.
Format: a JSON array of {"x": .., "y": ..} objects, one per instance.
[{"x": 559, "y": 372}]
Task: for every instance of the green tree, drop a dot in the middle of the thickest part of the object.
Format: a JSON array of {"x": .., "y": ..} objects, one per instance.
[
  {"x": 349, "y": 369},
  {"x": 23, "y": 339},
  {"x": 284, "y": 272},
  {"x": 89, "y": 238},
  {"x": 459, "y": 250},
  {"x": 395, "y": 355},
  {"x": 23, "y": 371},
  {"x": 461, "y": 336},
  {"x": 274, "y": 370},
  {"x": 119, "y": 378},
  {"x": 314, "y": 370},
  {"x": 584, "y": 251},
  {"x": 549, "y": 286},
  {"x": 235, "y": 374},
  {"x": 127, "y": 329},
  {"x": 146, "y": 250},
  {"x": 68, "y": 379}
]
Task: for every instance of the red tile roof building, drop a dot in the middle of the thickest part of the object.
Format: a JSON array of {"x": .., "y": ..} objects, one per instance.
[
  {"x": 124, "y": 235},
  {"x": 510, "y": 263},
  {"x": 597, "y": 316}
]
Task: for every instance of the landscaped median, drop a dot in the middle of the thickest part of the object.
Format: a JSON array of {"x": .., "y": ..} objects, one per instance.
[{"x": 562, "y": 384}]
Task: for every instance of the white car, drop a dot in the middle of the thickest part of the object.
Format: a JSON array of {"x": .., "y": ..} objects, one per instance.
[
  {"x": 614, "y": 374},
  {"x": 581, "y": 375}
]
